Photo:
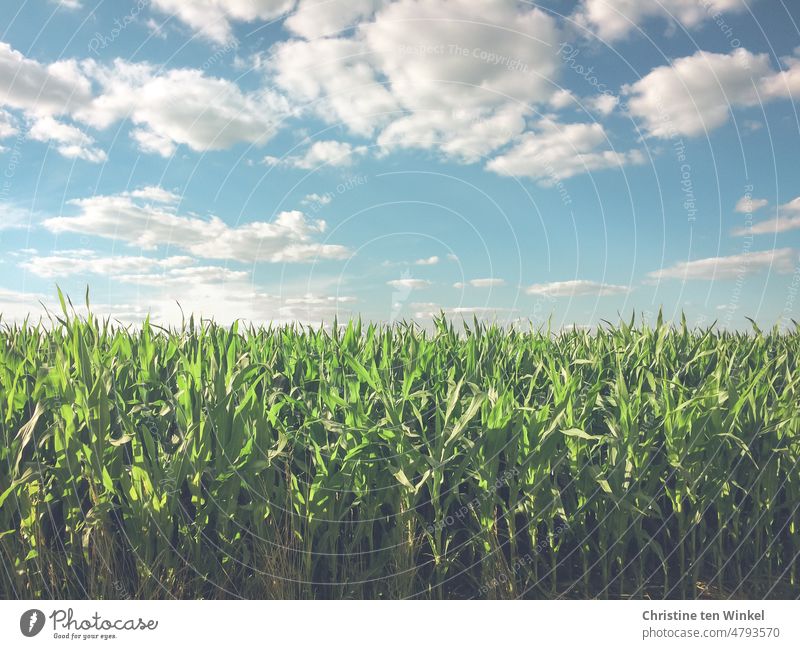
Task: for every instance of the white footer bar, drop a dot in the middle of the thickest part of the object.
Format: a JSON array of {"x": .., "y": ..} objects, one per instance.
[{"x": 284, "y": 624}]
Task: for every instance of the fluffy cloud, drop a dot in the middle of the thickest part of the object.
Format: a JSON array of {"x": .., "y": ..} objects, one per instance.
[
  {"x": 320, "y": 154},
  {"x": 462, "y": 135},
  {"x": 14, "y": 217},
  {"x": 427, "y": 261},
  {"x": 561, "y": 99},
  {"x": 408, "y": 283},
  {"x": 181, "y": 276},
  {"x": 576, "y": 287},
  {"x": 335, "y": 78},
  {"x": 484, "y": 282},
  {"x": 227, "y": 300},
  {"x": 464, "y": 54},
  {"x": 125, "y": 217},
  {"x": 18, "y": 306},
  {"x": 86, "y": 262},
  {"x": 747, "y": 204},
  {"x": 427, "y": 310},
  {"x": 457, "y": 77},
  {"x": 614, "y": 19},
  {"x": 603, "y": 103},
  {"x": 788, "y": 218},
  {"x": 54, "y": 89},
  {"x": 155, "y": 194},
  {"x": 314, "y": 308},
  {"x": 780, "y": 260},
  {"x": 317, "y": 200},
  {"x": 182, "y": 106},
  {"x": 168, "y": 107},
  {"x": 150, "y": 142},
  {"x": 69, "y": 140},
  {"x": 8, "y": 125},
  {"x": 786, "y": 83},
  {"x": 696, "y": 94},
  {"x": 212, "y": 18},
  {"x": 15, "y": 306},
  {"x": 556, "y": 151},
  {"x": 166, "y": 288},
  {"x": 314, "y": 19},
  {"x": 466, "y": 72},
  {"x": 206, "y": 292}
]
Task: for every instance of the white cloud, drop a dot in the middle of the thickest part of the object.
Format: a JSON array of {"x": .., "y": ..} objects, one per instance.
[
  {"x": 576, "y": 287},
  {"x": 320, "y": 154},
  {"x": 68, "y": 4},
  {"x": 313, "y": 308},
  {"x": 212, "y": 18},
  {"x": 427, "y": 310},
  {"x": 788, "y": 218},
  {"x": 156, "y": 28},
  {"x": 603, "y": 103},
  {"x": 463, "y": 54},
  {"x": 150, "y": 142},
  {"x": 289, "y": 238},
  {"x": 614, "y": 19},
  {"x": 167, "y": 107},
  {"x": 772, "y": 226},
  {"x": 427, "y": 261},
  {"x": 335, "y": 78},
  {"x": 225, "y": 300},
  {"x": 747, "y": 204},
  {"x": 781, "y": 260},
  {"x": 8, "y": 124},
  {"x": 13, "y": 217},
  {"x": 155, "y": 194},
  {"x": 752, "y": 125},
  {"x": 466, "y": 72},
  {"x": 166, "y": 294},
  {"x": 316, "y": 199},
  {"x": 556, "y": 151},
  {"x": 86, "y": 262},
  {"x": 696, "y": 93},
  {"x": 484, "y": 282},
  {"x": 53, "y": 89},
  {"x": 315, "y": 18},
  {"x": 182, "y": 106},
  {"x": 15, "y": 306},
  {"x": 181, "y": 276},
  {"x": 408, "y": 283},
  {"x": 461, "y": 135},
  {"x": 786, "y": 83},
  {"x": 561, "y": 99},
  {"x": 457, "y": 77},
  {"x": 69, "y": 140},
  {"x": 477, "y": 309}
]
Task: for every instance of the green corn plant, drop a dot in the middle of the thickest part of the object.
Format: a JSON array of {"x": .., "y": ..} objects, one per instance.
[{"x": 386, "y": 461}]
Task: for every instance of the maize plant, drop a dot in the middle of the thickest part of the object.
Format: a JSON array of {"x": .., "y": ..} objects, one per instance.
[{"x": 388, "y": 461}]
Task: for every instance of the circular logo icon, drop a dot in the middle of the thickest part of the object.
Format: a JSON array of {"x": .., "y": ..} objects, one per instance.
[{"x": 31, "y": 622}]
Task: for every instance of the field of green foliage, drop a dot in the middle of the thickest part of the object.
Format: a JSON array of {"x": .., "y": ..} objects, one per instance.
[{"x": 389, "y": 462}]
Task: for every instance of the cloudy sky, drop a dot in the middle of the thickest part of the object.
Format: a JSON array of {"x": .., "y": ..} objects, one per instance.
[{"x": 282, "y": 160}]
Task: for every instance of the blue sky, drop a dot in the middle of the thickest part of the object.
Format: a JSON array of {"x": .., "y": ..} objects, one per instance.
[{"x": 282, "y": 160}]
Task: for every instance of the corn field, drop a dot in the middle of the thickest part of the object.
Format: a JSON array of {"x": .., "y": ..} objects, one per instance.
[{"x": 367, "y": 461}]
